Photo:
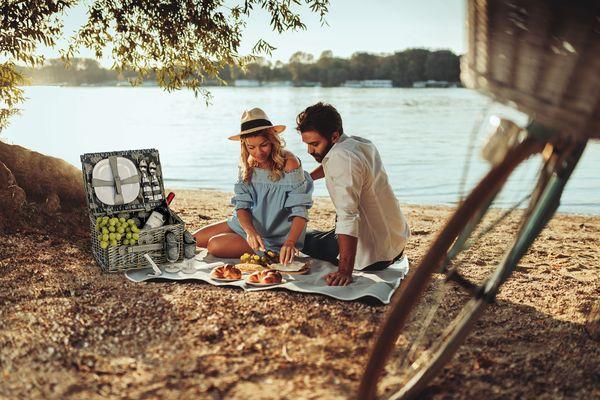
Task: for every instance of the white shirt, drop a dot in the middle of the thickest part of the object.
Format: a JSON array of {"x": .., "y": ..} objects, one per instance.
[{"x": 364, "y": 201}]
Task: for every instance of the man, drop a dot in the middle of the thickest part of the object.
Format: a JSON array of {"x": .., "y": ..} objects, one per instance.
[{"x": 370, "y": 231}]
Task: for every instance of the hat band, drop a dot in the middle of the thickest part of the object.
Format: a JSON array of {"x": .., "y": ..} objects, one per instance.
[{"x": 255, "y": 124}]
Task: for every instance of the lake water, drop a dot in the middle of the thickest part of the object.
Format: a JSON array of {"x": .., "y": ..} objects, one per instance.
[{"x": 422, "y": 134}]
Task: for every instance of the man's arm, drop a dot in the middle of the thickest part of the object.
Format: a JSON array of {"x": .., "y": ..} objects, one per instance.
[
  {"x": 317, "y": 173},
  {"x": 347, "y": 245},
  {"x": 347, "y": 177}
]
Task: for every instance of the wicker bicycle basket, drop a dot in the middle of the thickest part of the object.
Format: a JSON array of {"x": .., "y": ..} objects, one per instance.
[
  {"x": 542, "y": 57},
  {"x": 138, "y": 194}
]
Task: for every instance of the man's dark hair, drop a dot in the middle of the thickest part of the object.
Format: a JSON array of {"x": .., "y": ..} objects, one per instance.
[{"x": 321, "y": 117}]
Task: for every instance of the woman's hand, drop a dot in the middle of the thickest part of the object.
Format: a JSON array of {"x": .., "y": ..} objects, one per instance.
[
  {"x": 255, "y": 241},
  {"x": 287, "y": 252}
]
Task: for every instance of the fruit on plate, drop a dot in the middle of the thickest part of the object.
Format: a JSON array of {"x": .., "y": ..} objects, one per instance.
[
  {"x": 272, "y": 257},
  {"x": 249, "y": 258}
]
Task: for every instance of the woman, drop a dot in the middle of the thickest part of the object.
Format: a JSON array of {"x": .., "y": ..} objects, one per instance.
[{"x": 271, "y": 200}]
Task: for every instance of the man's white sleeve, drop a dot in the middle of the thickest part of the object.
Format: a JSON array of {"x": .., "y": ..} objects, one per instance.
[{"x": 346, "y": 175}]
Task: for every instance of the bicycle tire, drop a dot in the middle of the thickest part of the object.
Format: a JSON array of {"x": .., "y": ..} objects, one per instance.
[{"x": 407, "y": 298}]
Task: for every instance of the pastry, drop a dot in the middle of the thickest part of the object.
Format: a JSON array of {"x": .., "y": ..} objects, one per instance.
[
  {"x": 226, "y": 272},
  {"x": 268, "y": 276},
  {"x": 271, "y": 276}
]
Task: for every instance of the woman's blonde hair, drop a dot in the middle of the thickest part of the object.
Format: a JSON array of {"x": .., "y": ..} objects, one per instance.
[{"x": 276, "y": 160}]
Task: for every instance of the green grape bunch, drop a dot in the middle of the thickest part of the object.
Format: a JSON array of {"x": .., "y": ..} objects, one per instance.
[{"x": 115, "y": 232}]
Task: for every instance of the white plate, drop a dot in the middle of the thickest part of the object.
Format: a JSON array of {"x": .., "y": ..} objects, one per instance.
[
  {"x": 126, "y": 168},
  {"x": 265, "y": 284},
  {"x": 224, "y": 279}
]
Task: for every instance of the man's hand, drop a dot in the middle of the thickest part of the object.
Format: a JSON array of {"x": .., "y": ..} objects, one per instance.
[
  {"x": 343, "y": 276},
  {"x": 338, "y": 278}
]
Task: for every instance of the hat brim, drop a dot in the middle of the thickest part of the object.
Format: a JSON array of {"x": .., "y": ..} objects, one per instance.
[{"x": 278, "y": 129}]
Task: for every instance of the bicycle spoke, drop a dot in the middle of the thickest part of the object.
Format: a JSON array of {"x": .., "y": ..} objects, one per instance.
[
  {"x": 495, "y": 223},
  {"x": 428, "y": 319},
  {"x": 463, "y": 244}
]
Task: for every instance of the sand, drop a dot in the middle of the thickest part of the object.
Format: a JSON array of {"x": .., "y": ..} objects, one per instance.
[{"x": 69, "y": 331}]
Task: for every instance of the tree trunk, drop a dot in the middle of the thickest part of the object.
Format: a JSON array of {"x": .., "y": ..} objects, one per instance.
[{"x": 39, "y": 192}]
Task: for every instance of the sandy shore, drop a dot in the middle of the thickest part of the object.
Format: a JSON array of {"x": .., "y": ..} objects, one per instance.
[{"x": 68, "y": 331}]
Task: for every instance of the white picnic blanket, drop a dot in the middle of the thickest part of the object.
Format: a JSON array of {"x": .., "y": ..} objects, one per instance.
[{"x": 380, "y": 285}]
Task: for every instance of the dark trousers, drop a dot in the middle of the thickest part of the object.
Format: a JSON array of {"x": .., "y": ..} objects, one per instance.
[{"x": 324, "y": 246}]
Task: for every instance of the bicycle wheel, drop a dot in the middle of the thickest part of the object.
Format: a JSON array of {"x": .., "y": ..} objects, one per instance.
[{"x": 419, "y": 354}]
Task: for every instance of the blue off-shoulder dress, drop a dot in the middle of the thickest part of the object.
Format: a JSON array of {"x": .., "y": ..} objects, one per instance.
[{"x": 273, "y": 204}]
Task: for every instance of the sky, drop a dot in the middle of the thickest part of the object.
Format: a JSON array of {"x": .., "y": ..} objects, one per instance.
[{"x": 375, "y": 26}]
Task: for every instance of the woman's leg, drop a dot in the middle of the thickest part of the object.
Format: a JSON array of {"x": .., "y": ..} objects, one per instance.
[
  {"x": 228, "y": 245},
  {"x": 221, "y": 241},
  {"x": 204, "y": 234}
]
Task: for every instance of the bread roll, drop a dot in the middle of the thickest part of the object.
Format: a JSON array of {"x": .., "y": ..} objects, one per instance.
[
  {"x": 271, "y": 279},
  {"x": 254, "y": 278},
  {"x": 268, "y": 276},
  {"x": 227, "y": 272}
]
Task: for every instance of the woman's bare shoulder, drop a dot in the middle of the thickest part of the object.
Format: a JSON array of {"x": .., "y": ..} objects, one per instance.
[{"x": 291, "y": 161}]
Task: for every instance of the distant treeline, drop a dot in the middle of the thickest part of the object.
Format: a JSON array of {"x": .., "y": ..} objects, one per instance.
[{"x": 402, "y": 68}]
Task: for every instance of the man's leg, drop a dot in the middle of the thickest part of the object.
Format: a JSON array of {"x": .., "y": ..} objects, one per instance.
[
  {"x": 381, "y": 265},
  {"x": 322, "y": 245}
]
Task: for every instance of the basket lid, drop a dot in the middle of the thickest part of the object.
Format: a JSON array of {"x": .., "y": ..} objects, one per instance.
[{"x": 129, "y": 180}]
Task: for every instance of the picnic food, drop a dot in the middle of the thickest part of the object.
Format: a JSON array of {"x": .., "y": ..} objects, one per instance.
[
  {"x": 294, "y": 266},
  {"x": 269, "y": 276},
  {"x": 116, "y": 231},
  {"x": 227, "y": 271},
  {"x": 253, "y": 262},
  {"x": 272, "y": 256},
  {"x": 249, "y": 267},
  {"x": 249, "y": 258}
]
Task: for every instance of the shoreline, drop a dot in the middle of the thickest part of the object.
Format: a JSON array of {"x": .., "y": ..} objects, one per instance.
[{"x": 413, "y": 205}]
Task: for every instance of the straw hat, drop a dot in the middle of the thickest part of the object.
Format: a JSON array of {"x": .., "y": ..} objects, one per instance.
[{"x": 254, "y": 120}]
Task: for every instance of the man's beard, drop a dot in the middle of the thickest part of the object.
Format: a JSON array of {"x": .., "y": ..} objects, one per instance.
[{"x": 319, "y": 156}]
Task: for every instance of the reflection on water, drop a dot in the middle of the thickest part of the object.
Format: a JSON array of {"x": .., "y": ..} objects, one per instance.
[{"x": 422, "y": 134}]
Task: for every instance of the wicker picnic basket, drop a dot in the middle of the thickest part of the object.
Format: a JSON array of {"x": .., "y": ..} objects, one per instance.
[
  {"x": 542, "y": 57},
  {"x": 131, "y": 187}
]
